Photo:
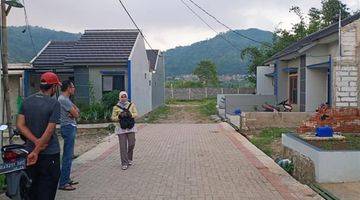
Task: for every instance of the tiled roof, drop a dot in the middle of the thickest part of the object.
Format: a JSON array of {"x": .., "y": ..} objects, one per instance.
[
  {"x": 152, "y": 56},
  {"x": 98, "y": 47},
  {"x": 53, "y": 54},
  {"x": 95, "y": 47}
]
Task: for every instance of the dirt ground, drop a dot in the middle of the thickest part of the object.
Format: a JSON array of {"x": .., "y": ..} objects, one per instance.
[
  {"x": 87, "y": 139},
  {"x": 185, "y": 114}
]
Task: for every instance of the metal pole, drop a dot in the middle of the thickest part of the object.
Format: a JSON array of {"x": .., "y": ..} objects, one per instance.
[
  {"x": 340, "y": 34},
  {"x": 4, "y": 61}
]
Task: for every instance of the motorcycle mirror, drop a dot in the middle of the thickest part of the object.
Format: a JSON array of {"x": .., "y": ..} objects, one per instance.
[{"x": 3, "y": 127}]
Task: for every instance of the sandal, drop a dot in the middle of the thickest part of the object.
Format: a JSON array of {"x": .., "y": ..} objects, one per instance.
[
  {"x": 67, "y": 187},
  {"x": 73, "y": 182}
]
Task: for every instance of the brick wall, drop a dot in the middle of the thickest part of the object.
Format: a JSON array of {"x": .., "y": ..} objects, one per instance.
[
  {"x": 346, "y": 72},
  {"x": 345, "y": 120}
]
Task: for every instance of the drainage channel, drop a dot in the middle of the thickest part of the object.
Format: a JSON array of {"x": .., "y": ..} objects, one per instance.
[{"x": 323, "y": 192}]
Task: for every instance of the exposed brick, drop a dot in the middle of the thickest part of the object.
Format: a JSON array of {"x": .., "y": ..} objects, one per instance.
[
  {"x": 349, "y": 99},
  {"x": 349, "y": 89},
  {"x": 341, "y": 119},
  {"x": 348, "y": 78}
]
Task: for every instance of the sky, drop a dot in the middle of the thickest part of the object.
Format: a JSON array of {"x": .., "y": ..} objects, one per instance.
[{"x": 165, "y": 23}]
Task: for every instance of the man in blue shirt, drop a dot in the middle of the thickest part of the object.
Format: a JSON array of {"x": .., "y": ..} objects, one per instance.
[{"x": 69, "y": 112}]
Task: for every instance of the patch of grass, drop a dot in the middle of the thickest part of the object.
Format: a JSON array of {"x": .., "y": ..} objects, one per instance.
[
  {"x": 266, "y": 137},
  {"x": 184, "y": 102},
  {"x": 208, "y": 107},
  {"x": 2, "y": 182},
  {"x": 159, "y": 113},
  {"x": 351, "y": 142}
]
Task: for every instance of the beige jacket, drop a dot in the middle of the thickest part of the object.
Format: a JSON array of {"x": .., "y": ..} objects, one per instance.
[{"x": 116, "y": 111}]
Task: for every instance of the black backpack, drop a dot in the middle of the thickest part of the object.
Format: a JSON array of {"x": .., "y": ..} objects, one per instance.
[{"x": 126, "y": 121}]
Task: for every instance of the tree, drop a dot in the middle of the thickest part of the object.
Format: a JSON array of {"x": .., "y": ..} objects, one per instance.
[
  {"x": 318, "y": 19},
  {"x": 207, "y": 73},
  {"x": 330, "y": 10}
]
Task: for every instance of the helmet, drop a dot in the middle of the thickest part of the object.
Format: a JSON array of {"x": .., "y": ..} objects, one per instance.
[{"x": 50, "y": 78}]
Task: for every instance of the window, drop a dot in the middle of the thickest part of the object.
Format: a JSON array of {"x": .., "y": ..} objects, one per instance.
[
  {"x": 293, "y": 92},
  {"x": 113, "y": 82}
]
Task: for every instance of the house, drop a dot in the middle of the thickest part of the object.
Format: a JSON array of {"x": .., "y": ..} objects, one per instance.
[
  {"x": 99, "y": 62},
  {"x": 157, "y": 69},
  {"x": 15, "y": 73},
  {"x": 317, "y": 69}
]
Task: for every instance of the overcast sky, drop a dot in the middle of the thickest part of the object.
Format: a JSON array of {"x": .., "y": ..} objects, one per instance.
[{"x": 166, "y": 23}]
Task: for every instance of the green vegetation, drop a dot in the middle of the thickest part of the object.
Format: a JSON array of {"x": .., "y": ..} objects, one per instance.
[
  {"x": 266, "y": 137},
  {"x": 159, "y": 113},
  {"x": 207, "y": 73},
  {"x": 208, "y": 107},
  {"x": 183, "y": 84},
  {"x": 351, "y": 142},
  {"x": 183, "y": 59},
  {"x": 98, "y": 111},
  {"x": 2, "y": 182},
  {"x": 318, "y": 19},
  {"x": 20, "y": 46}
]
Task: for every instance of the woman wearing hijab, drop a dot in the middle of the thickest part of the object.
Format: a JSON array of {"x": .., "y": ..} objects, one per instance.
[{"x": 125, "y": 112}]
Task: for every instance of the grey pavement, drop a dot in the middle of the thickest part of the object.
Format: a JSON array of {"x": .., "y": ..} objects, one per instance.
[{"x": 184, "y": 161}]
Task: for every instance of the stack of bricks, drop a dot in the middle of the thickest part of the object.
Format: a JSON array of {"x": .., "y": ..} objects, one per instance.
[{"x": 345, "y": 120}]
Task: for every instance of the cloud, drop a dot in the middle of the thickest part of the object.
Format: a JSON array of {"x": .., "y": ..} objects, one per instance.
[{"x": 167, "y": 23}]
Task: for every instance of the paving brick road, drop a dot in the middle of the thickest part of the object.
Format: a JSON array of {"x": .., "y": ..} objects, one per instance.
[{"x": 184, "y": 161}]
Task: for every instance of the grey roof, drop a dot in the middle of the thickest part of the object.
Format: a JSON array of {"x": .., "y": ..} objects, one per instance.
[
  {"x": 53, "y": 54},
  {"x": 95, "y": 47},
  {"x": 152, "y": 56},
  {"x": 99, "y": 47},
  {"x": 334, "y": 28}
]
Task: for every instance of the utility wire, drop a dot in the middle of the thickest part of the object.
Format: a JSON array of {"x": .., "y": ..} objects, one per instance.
[
  {"x": 133, "y": 21},
  {"x": 230, "y": 29},
  {"x": 28, "y": 28},
  {"x": 197, "y": 15}
]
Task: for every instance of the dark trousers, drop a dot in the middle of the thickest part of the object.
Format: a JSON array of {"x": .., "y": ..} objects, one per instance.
[
  {"x": 45, "y": 177},
  {"x": 127, "y": 144}
]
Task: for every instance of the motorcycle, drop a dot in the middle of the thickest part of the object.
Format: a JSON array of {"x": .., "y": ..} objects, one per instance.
[
  {"x": 14, "y": 165},
  {"x": 285, "y": 107}
]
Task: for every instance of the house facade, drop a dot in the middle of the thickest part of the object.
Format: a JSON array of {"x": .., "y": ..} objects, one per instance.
[
  {"x": 99, "y": 62},
  {"x": 318, "y": 69},
  {"x": 157, "y": 70}
]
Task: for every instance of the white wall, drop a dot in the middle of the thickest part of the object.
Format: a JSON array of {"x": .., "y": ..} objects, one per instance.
[
  {"x": 140, "y": 77},
  {"x": 264, "y": 84},
  {"x": 330, "y": 166},
  {"x": 283, "y": 81},
  {"x": 158, "y": 82},
  {"x": 316, "y": 79},
  {"x": 316, "y": 88},
  {"x": 318, "y": 54}
]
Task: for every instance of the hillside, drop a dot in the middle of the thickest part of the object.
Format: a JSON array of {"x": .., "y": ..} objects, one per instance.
[
  {"x": 20, "y": 47},
  {"x": 183, "y": 59}
]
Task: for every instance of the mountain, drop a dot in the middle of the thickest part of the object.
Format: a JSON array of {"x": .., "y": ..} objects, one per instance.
[
  {"x": 20, "y": 45},
  {"x": 179, "y": 61},
  {"x": 182, "y": 60}
]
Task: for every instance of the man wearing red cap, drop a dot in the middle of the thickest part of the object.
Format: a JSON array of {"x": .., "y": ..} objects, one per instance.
[{"x": 37, "y": 122}]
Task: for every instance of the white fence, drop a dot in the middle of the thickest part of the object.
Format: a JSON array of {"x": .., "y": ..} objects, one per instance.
[{"x": 201, "y": 93}]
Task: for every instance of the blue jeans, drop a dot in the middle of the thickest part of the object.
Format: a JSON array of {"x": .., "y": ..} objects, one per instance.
[{"x": 68, "y": 132}]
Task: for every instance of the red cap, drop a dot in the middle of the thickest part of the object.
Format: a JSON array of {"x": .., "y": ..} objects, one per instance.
[{"x": 50, "y": 78}]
